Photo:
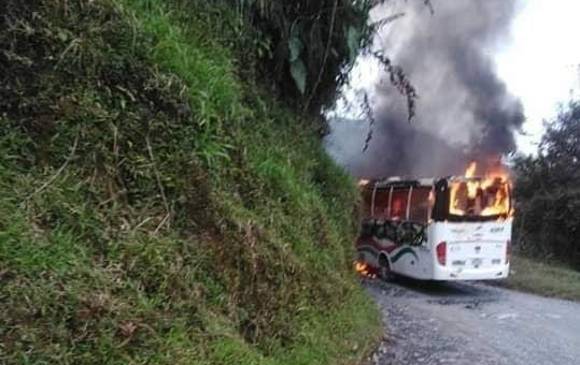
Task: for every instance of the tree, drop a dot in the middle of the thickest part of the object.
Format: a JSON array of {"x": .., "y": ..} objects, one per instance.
[
  {"x": 306, "y": 48},
  {"x": 548, "y": 191}
]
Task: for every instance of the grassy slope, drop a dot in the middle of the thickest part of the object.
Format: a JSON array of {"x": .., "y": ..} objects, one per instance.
[
  {"x": 154, "y": 208},
  {"x": 547, "y": 279}
]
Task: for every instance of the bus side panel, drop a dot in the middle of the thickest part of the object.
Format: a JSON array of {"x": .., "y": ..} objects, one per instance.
[
  {"x": 406, "y": 260},
  {"x": 412, "y": 261}
]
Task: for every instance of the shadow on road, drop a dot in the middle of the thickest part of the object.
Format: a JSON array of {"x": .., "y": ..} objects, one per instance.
[
  {"x": 441, "y": 288},
  {"x": 470, "y": 295}
]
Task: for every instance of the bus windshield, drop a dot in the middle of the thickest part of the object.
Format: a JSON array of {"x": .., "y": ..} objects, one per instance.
[{"x": 479, "y": 198}]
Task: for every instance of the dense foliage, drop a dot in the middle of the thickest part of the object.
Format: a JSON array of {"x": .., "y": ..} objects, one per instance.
[
  {"x": 305, "y": 49},
  {"x": 548, "y": 192},
  {"x": 157, "y": 204},
  {"x": 306, "y": 44}
]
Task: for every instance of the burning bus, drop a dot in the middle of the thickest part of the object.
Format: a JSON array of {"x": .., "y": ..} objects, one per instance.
[{"x": 453, "y": 228}]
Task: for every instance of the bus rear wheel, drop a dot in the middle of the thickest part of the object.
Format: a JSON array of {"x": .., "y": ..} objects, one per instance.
[{"x": 385, "y": 272}]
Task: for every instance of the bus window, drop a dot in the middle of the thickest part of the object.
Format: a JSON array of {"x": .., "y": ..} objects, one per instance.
[
  {"x": 367, "y": 201},
  {"x": 477, "y": 199},
  {"x": 420, "y": 205},
  {"x": 399, "y": 204},
  {"x": 467, "y": 199},
  {"x": 496, "y": 199},
  {"x": 381, "y": 203}
]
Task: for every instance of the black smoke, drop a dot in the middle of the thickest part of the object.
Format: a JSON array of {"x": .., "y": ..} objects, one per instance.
[{"x": 464, "y": 110}]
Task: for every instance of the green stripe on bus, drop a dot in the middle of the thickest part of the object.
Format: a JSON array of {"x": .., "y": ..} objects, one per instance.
[{"x": 402, "y": 253}]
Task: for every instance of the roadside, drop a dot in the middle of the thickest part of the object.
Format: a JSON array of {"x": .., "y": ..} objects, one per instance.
[
  {"x": 464, "y": 323},
  {"x": 546, "y": 279}
]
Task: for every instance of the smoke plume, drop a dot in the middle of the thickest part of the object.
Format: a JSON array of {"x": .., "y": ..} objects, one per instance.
[{"x": 464, "y": 110}]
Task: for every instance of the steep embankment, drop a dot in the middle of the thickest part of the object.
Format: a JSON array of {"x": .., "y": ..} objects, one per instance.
[{"x": 154, "y": 207}]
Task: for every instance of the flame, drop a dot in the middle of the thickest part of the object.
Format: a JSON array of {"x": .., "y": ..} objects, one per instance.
[
  {"x": 471, "y": 169},
  {"x": 363, "y": 182},
  {"x": 481, "y": 196},
  {"x": 364, "y": 269}
]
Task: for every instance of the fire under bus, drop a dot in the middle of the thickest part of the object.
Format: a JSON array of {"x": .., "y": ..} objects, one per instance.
[{"x": 455, "y": 228}]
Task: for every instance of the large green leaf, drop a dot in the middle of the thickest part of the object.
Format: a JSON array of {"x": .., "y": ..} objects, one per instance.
[
  {"x": 295, "y": 47},
  {"x": 299, "y": 73},
  {"x": 353, "y": 38}
]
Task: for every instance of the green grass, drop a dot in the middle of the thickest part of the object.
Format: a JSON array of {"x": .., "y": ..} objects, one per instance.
[
  {"x": 157, "y": 208},
  {"x": 543, "y": 278}
]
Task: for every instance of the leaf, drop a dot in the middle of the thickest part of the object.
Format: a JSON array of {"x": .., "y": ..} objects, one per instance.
[
  {"x": 353, "y": 41},
  {"x": 295, "y": 47},
  {"x": 299, "y": 72}
]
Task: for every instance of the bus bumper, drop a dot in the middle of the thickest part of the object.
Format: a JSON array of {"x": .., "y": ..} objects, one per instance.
[{"x": 488, "y": 273}]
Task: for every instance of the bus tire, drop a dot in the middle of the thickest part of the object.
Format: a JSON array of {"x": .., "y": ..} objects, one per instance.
[{"x": 385, "y": 272}]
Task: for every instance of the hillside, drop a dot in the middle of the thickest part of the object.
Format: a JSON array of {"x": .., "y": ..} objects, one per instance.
[{"x": 158, "y": 204}]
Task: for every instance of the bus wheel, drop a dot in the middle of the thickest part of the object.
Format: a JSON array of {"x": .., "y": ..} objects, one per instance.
[{"x": 385, "y": 272}]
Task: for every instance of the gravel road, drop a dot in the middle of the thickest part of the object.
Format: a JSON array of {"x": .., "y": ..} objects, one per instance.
[{"x": 475, "y": 324}]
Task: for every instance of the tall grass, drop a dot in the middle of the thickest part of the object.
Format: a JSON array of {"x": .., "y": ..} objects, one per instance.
[
  {"x": 550, "y": 279},
  {"x": 155, "y": 207}
]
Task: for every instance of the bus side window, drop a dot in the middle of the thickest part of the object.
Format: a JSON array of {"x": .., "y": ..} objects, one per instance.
[
  {"x": 399, "y": 204},
  {"x": 367, "y": 200},
  {"x": 381, "y": 203},
  {"x": 368, "y": 227},
  {"x": 419, "y": 211}
]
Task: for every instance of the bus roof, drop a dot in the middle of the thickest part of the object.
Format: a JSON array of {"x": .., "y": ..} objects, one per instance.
[
  {"x": 407, "y": 182},
  {"x": 402, "y": 182}
]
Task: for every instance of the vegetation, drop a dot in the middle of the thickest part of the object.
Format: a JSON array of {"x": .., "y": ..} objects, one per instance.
[
  {"x": 157, "y": 204},
  {"x": 550, "y": 279},
  {"x": 548, "y": 198},
  {"x": 306, "y": 49},
  {"x": 305, "y": 44}
]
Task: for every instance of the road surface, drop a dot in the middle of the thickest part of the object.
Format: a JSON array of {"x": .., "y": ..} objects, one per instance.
[{"x": 474, "y": 324}]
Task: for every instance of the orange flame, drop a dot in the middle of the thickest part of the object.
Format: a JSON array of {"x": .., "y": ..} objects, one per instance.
[
  {"x": 471, "y": 169},
  {"x": 481, "y": 196},
  {"x": 364, "y": 269}
]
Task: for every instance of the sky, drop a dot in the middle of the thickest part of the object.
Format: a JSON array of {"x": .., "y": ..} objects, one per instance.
[
  {"x": 539, "y": 62},
  {"x": 463, "y": 111}
]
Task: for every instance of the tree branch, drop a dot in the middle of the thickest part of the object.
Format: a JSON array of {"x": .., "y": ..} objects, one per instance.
[{"x": 325, "y": 57}]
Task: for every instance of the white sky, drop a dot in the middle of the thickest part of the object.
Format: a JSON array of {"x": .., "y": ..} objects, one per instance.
[{"x": 540, "y": 63}]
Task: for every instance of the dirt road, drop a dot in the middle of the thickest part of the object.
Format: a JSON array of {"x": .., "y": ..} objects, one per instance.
[{"x": 475, "y": 324}]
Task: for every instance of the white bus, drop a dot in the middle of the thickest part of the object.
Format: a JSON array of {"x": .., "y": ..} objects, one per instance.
[{"x": 456, "y": 228}]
